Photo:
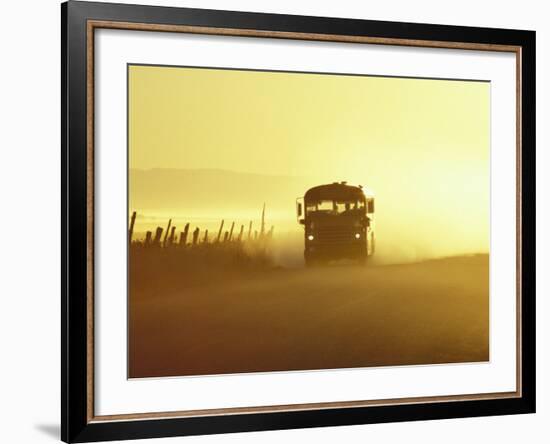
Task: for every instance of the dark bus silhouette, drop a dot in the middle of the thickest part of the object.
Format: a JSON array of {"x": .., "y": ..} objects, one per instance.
[{"x": 338, "y": 223}]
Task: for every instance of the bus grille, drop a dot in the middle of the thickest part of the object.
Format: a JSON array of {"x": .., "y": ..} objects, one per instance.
[{"x": 335, "y": 235}]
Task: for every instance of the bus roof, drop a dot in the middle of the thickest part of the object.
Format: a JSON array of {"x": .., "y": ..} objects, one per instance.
[{"x": 336, "y": 190}]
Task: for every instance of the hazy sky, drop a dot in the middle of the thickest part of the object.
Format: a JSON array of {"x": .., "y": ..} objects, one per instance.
[{"x": 422, "y": 145}]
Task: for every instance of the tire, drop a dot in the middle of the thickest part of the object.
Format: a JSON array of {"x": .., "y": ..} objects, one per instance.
[
  {"x": 308, "y": 260},
  {"x": 311, "y": 261},
  {"x": 372, "y": 245}
]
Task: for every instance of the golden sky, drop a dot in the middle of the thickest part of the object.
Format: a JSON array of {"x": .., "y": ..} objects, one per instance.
[{"x": 422, "y": 145}]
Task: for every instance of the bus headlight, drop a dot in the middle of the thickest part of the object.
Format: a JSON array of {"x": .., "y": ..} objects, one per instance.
[
  {"x": 357, "y": 235},
  {"x": 310, "y": 237}
]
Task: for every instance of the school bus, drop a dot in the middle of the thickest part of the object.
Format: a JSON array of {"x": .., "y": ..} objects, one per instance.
[{"x": 338, "y": 222}]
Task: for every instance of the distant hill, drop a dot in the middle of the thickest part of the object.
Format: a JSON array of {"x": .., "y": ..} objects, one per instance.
[{"x": 211, "y": 190}]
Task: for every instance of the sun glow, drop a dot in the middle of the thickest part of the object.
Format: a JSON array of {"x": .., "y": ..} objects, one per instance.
[{"x": 422, "y": 145}]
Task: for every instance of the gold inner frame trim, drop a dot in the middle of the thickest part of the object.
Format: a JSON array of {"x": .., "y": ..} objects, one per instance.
[{"x": 97, "y": 24}]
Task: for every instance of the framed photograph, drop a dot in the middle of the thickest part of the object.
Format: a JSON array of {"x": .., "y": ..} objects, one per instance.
[{"x": 275, "y": 221}]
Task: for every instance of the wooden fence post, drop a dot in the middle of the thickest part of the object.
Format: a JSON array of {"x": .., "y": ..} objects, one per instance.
[
  {"x": 262, "y": 227},
  {"x": 172, "y": 235},
  {"x": 148, "y": 238},
  {"x": 184, "y": 234},
  {"x": 131, "y": 231},
  {"x": 241, "y": 233},
  {"x": 167, "y": 230},
  {"x": 220, "y": 232},
  {"x": 205, "y": 239},
  {"x": 196, "y": 235},
  {"x": 249, "y": 230},
  {"x": 225, "y": 236},
  {"x": 158, "y": 236},
  {"x": 231, "y": 231}
]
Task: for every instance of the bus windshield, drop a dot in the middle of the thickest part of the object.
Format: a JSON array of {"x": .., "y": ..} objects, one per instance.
[{"x": 335, "y": 207}]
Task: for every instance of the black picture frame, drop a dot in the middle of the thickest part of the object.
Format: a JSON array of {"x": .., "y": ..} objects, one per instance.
[{"x": 76, "y": 424}]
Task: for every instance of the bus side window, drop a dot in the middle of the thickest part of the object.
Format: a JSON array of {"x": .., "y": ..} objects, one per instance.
[{"x": 370, "y": 206}]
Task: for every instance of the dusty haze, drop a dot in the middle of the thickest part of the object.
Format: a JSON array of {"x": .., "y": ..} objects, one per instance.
[
  {"x": 204, "y": 197},
  {"x": 207, "y": 144}
]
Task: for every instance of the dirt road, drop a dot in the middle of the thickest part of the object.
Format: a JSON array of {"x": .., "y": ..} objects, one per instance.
[{"x": 331, "y": 317}]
